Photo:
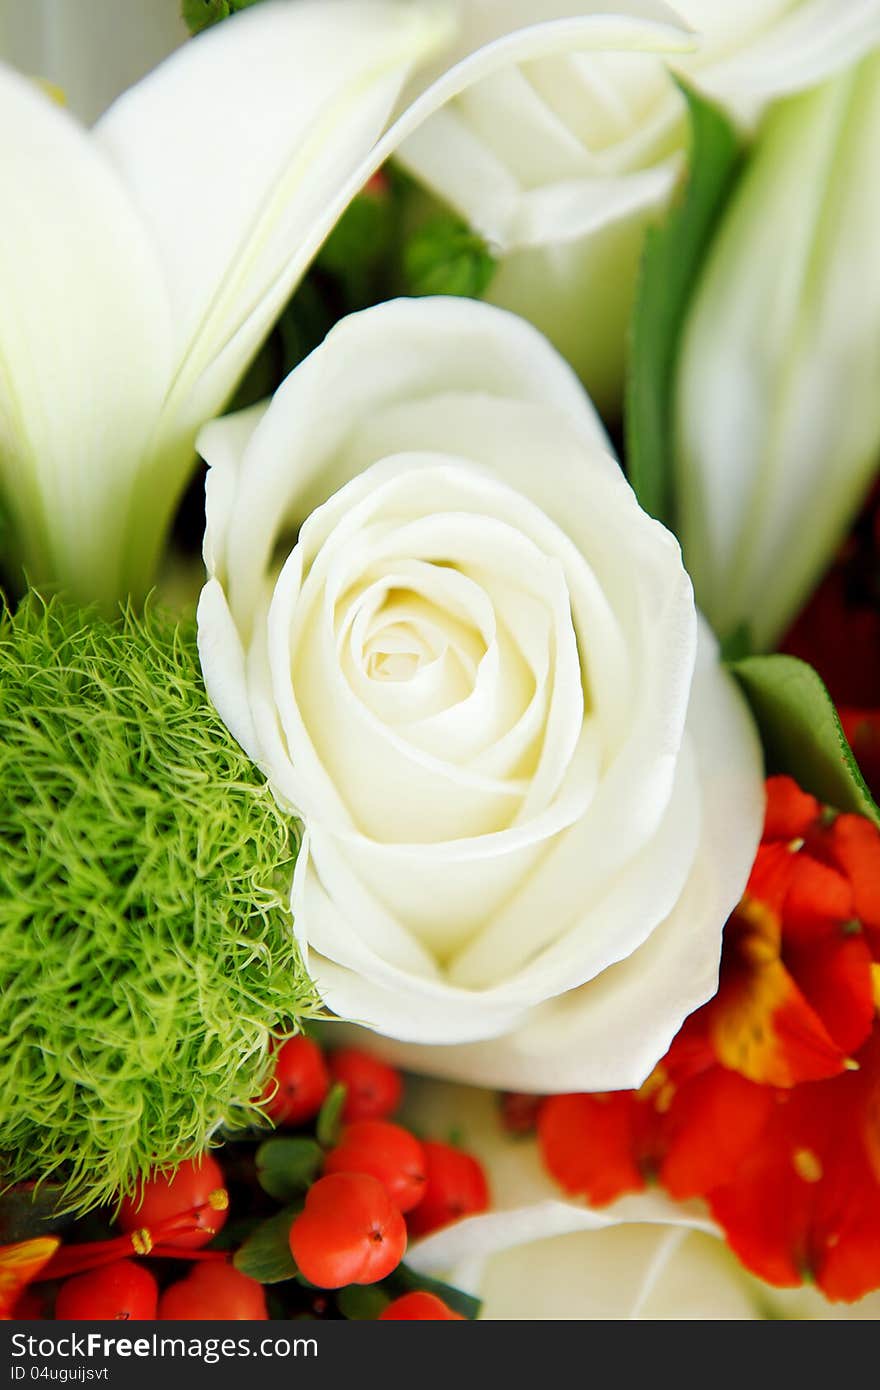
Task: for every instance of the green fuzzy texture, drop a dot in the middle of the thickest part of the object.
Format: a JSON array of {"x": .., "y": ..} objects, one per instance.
[{"x": 147, "y": 952}]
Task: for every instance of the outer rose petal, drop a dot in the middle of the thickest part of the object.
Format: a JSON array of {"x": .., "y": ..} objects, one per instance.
[
  {"x": 630, "y": 1271},
  {"x": 222, "y": 659}
]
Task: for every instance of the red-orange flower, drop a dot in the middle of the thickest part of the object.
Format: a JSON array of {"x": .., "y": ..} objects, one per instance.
[
  {"x": 796, "y": 993},
  {"x": 806, "y": 1202},
  {"x": 768, "y": 1102}
]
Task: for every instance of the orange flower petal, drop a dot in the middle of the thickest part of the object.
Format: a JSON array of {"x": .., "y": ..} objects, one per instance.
[
  {"x": 763, "y": 1028},
  {"x": 836, "y": 980},
  {"x": 819, "y": 900},
  {"x": 852, "y": 844},
  {"x": 19, "y": 1264},
  {"x": 789, "y": 809},
  {"x": 713, "y": 1122},
  {"x": 765, "y": 1211},
  {"x": 806, "y": 1202},
  {"x": 589, "y": 1145}
]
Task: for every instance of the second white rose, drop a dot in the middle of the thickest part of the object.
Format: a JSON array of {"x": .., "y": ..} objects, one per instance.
[{"x": 439, "y": 621}]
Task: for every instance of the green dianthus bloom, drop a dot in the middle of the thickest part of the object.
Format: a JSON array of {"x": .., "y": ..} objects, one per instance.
[{"x": 147, "y": 951}]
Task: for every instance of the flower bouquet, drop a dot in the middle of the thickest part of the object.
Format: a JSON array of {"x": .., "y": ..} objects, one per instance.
[{"x": 440, "y": 660}]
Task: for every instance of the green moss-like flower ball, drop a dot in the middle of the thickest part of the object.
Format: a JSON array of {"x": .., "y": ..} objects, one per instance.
[{"x": 146, "y": 945}]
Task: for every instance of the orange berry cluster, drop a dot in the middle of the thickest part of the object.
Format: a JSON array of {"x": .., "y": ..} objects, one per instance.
[{"x": 378, "y": 1185}]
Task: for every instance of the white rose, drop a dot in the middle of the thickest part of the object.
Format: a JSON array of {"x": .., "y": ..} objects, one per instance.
[
  {"x": 460, "y": 651},
  {"x": 562, "y": 161},
  {"x": 539, "y": 1255}
]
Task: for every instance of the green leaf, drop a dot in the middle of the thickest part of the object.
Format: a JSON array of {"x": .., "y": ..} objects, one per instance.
[
  {"x": 801, "y": 732},
  {"x": 287, "y": 1167},
  {"x": 265, "y": 1255},
  {"x": 447, "y": 257},
  {"x": 406, "y": 1280},
  {"x": 361, "y": 1303},
  {"x": 670, "y": 265},
  {"x": 329, "y": 1121}
]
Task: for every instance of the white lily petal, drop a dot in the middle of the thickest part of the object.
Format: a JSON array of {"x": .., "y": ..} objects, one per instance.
[
  {"x": 783, "y": 329},
  {"x": 311, "y": 85},
  {"x": 238, "y": 206},
  {"x": 84, "y": 344}
]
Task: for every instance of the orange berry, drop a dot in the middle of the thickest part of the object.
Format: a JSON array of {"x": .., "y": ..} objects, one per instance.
[{"x": 349, "y": 1232}]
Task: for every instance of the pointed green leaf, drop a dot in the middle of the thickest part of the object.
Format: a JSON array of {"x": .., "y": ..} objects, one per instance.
[
  {"x": 265, "y": 1255},
  {"x": 329, "y": 1123},
  {"x": 287, "y": 1167},
  {"x": 801, "y": 732}
]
